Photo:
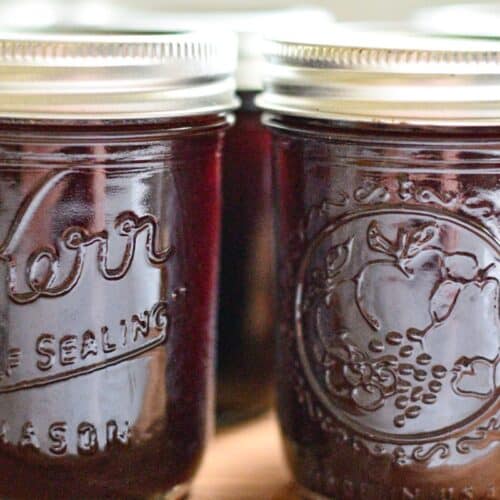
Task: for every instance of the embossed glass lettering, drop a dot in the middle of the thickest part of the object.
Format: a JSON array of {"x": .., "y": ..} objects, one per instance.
[
  {"x": 44, "y": 275},
  {"x": 29, "y": 438},
  {"x": 14, "y": 358},
  {"x": 46, "y": 350},
  {"x": 89, "y": 345},
  {"x": 116, "y": 435},
  {"x": 67, "y": 350},
  {"x": 87, "y": 439},
  {"x": 107, "y": 345},
  {"x": 4, "y": 429},
  {"x": 75, "y": 354},
  {"x": 57, "y": 434}
]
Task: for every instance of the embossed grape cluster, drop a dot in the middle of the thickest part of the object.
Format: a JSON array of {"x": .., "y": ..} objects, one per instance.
[{"x": 418, "y": 381}]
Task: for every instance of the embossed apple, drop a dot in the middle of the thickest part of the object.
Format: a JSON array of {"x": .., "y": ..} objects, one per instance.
[
  {"x": 387, "y": 293},
  {"x": 418, "y": 284},
  {"x": 393, "y": 291}
]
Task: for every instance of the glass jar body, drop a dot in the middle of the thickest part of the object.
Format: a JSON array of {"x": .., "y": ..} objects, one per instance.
[
  {"x": 246, "y": 309},
  {"x": 389, "y": 336},
  {"x": 107, "y": 308}
]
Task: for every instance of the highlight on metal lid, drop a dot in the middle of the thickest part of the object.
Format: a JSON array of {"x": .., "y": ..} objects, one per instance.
[
  {"x": 50, "y": 75},
  {"x": 249, "y": 19},
  {"x": 250, "y": 25},
  {"x": 380, "y": 76}
]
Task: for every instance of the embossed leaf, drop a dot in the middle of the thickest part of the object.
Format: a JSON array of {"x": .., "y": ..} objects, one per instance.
[
  {"x": 444, "y": 299},
  {"x": 419, "y": 238},
  {"x": 378, "y": 242},
  {"x": 337, "y": 257}
]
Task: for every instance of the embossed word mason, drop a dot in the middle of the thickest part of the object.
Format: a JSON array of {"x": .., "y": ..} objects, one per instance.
[
  {"x": 344, "y": 488},
  {"x": 60, "y": 436}
]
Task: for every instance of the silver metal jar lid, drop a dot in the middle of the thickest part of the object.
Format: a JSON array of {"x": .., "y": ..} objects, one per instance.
[
  {"x": 119, "y": 76},
  {"x": 249, "y": 19},
  {"x": 250, "y": 25},
  {"x": 469, "y": 19},
  {"x": 384, "y": 77}
]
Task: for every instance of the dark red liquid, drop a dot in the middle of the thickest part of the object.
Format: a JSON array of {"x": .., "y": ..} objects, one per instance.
[
  {"x": 389, "y": 338},
  {"x": 247, "y": 270},
  {"x": 107, "y": 366}
]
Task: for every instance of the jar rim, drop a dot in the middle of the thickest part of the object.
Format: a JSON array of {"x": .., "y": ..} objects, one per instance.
[
  {"x": 125, "y": 75},
  {"x": 383, "y": 76},
  {"x": 249, "y": 20}
]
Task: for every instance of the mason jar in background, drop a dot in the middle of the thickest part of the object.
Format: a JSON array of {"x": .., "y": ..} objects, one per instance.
[
  {"x": 109, "y": 219},
  {"x": 386, "y": 156},
  {"x": 247, "y": 278},
  {"x": 246, "y": 320}
]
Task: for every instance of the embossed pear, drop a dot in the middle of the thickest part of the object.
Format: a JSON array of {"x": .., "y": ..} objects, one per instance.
[{"x": 477, "y": 377}]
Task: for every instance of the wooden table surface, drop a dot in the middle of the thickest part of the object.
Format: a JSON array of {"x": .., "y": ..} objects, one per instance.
[{"x": 245, "y": 463}]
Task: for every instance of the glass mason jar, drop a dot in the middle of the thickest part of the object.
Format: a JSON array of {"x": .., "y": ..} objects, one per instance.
[
  {"x": 386, "y": 157},
  {"x": 109, "y": 219}
]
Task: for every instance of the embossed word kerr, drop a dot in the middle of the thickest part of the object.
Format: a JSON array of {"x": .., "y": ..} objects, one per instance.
[{"x": 56, "y": 355}]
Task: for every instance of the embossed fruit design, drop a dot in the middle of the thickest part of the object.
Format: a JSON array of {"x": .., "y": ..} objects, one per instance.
[
  {"x": 391, "y": 319},
  {"x": 352, "y": 375},
  {"x": 417, "y": 283}
]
